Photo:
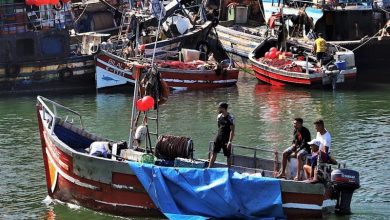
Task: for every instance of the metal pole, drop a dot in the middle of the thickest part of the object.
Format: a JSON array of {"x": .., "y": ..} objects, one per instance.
[
  {"x": 135, "y": 98},
  {"x": 137, "y": 37},
  {"x": 158, "y": 33}
]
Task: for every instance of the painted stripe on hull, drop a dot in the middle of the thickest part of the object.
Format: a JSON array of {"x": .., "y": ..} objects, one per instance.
[
  {"x": 277, "y": 79},
  {"x": 67, "y": 177},
  {"x": 209, "y": 77}
]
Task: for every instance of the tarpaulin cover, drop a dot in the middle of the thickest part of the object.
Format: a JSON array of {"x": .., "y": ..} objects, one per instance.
[{"x": 191, "y": 193}]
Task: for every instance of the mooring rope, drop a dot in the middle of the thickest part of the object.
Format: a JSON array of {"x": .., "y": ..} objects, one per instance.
[{"x": 361, "y": 45}]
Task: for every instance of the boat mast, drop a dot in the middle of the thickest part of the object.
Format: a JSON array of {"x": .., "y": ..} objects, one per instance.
[{"x": 136, "y": 72}]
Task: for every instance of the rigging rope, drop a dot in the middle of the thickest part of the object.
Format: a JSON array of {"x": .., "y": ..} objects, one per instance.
[
  {"x": 81, "y": 14},
  {"x": 375, "y": 35}
]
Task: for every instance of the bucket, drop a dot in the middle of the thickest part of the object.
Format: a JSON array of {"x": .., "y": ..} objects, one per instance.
[
  {"x": 341, "y": 65},
  {"x": 190, "y": 55}
]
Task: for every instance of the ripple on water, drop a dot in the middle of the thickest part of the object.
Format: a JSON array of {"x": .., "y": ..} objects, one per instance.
[{"x": 358, "y": 122}]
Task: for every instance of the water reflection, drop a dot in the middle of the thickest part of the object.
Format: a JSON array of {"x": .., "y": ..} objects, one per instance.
[{"x": 359, "y": 122}]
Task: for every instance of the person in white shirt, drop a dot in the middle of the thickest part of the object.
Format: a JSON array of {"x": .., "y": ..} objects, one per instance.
[
  {"x": 100, "y": 148},
  {"x": 319, "y": 146},
  {"x": 324, "y": 137}
]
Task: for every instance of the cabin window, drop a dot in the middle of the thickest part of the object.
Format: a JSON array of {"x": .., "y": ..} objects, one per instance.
[
  {"x": 25, "y": 47},
  {"x": 52, "y": 45}
]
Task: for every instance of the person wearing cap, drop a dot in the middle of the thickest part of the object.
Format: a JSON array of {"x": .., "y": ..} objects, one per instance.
[
  {"x": 309, "y": 169},
  {"x": 319, "y": 48},
  {"x": 224, "y": 138},
  {"x": 299, "y": 148}
]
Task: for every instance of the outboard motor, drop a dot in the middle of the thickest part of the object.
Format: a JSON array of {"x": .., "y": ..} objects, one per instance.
[{"x": 344, "y": 182}]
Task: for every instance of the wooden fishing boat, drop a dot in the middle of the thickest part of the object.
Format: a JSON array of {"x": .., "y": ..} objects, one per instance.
[
  {"x": 112, "y": 70},
  {"x": 344, "y": 24},
  {"x": 301, "y": 67},
  {"x": 37, "y": 50},
  {"x": 179, "y": 73},
  {"x": 241, "y": 27},
  {"x": 111, "y": 185}
]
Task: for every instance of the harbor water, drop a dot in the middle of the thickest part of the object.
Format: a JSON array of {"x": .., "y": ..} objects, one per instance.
[{"x": 359, "y": 122}]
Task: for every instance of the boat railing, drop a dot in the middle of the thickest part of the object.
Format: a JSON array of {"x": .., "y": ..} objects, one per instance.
[
  {"x": 253, "y": 156},
  {"x": 53, "y": 111},
  {"x": 333, "y": 4}
]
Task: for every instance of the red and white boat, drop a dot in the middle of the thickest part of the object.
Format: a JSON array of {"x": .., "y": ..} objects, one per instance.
[
  {"x": 112, "y": 70},
  {"x": 110, "y": 185},
  {"x": 301, "y": 68}
]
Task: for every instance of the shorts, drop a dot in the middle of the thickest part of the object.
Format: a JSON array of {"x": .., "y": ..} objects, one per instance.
[
  {"x": 221, "y": 143},
  {"x": 320, "y": 55},
  {"x": 302, "y": 152},
  {"x": 314, "y": 158}
]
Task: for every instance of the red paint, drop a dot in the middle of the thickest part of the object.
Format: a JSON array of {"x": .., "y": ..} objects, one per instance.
[
  {"x": 313, "y": 199},
  {"x": 278, "y": 79}
]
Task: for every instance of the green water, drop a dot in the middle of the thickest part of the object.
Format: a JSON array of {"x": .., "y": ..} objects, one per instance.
[{"x": 359, "y": 122}]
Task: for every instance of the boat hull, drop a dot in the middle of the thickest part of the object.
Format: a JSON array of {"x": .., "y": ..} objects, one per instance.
[
  {"x": 110, "y": 186},
  {"x": 36, "y": 67},
  {"x": 111, "y": 71},
  {"x": 73, "y": 178},
  {"x": 273, "y": 77}
]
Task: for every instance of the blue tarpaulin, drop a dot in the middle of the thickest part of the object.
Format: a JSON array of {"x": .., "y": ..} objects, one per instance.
[{"x": 191, "y": 193}]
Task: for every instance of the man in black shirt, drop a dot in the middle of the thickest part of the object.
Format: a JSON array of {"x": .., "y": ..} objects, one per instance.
[
  {"x": 299, "y": 148},
  {"x": 225, "y": 135}
]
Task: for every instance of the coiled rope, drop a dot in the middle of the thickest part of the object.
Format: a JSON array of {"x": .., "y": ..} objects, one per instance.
[{"x": 170, "y": 147}]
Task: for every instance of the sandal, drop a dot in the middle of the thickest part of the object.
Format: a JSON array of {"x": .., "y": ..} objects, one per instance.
[
  {"x": 280, "y": 176},
  {"x": 297, "y": 179}
]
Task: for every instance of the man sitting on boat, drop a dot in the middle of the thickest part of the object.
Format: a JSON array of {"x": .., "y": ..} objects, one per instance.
[
  {"x": 224, "y": 138},
  {"x": 309, "y": 169},
  {"x": 100, "y": 148},
  {"x": 299, "y": 148},
  {"x": 323, "y": 142},
  {"x": 319, "y": 48}
]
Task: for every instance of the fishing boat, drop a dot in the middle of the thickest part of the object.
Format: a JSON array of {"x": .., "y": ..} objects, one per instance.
[
  {"x": 35, "y": 48},
  {"x": 300, "y": 67},
  {"x": 181, "y": 58},
  {"x": 136, "y": 179},
  {"x": 113, "y": 71},
  {"x": 110, "y": 185},
  {"x": 241, "y": 27},
  {"x": 350, "y": 24}
]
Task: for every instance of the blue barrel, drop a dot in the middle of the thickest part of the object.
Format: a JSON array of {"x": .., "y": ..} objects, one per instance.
[{"x": 341, "y": 65}]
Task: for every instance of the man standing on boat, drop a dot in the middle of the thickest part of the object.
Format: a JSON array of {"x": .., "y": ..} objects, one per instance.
[
  {"x": 224, "y": 138},
  {"x": 319, "y": 48},
  {"x": 299, "y": 148}
]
